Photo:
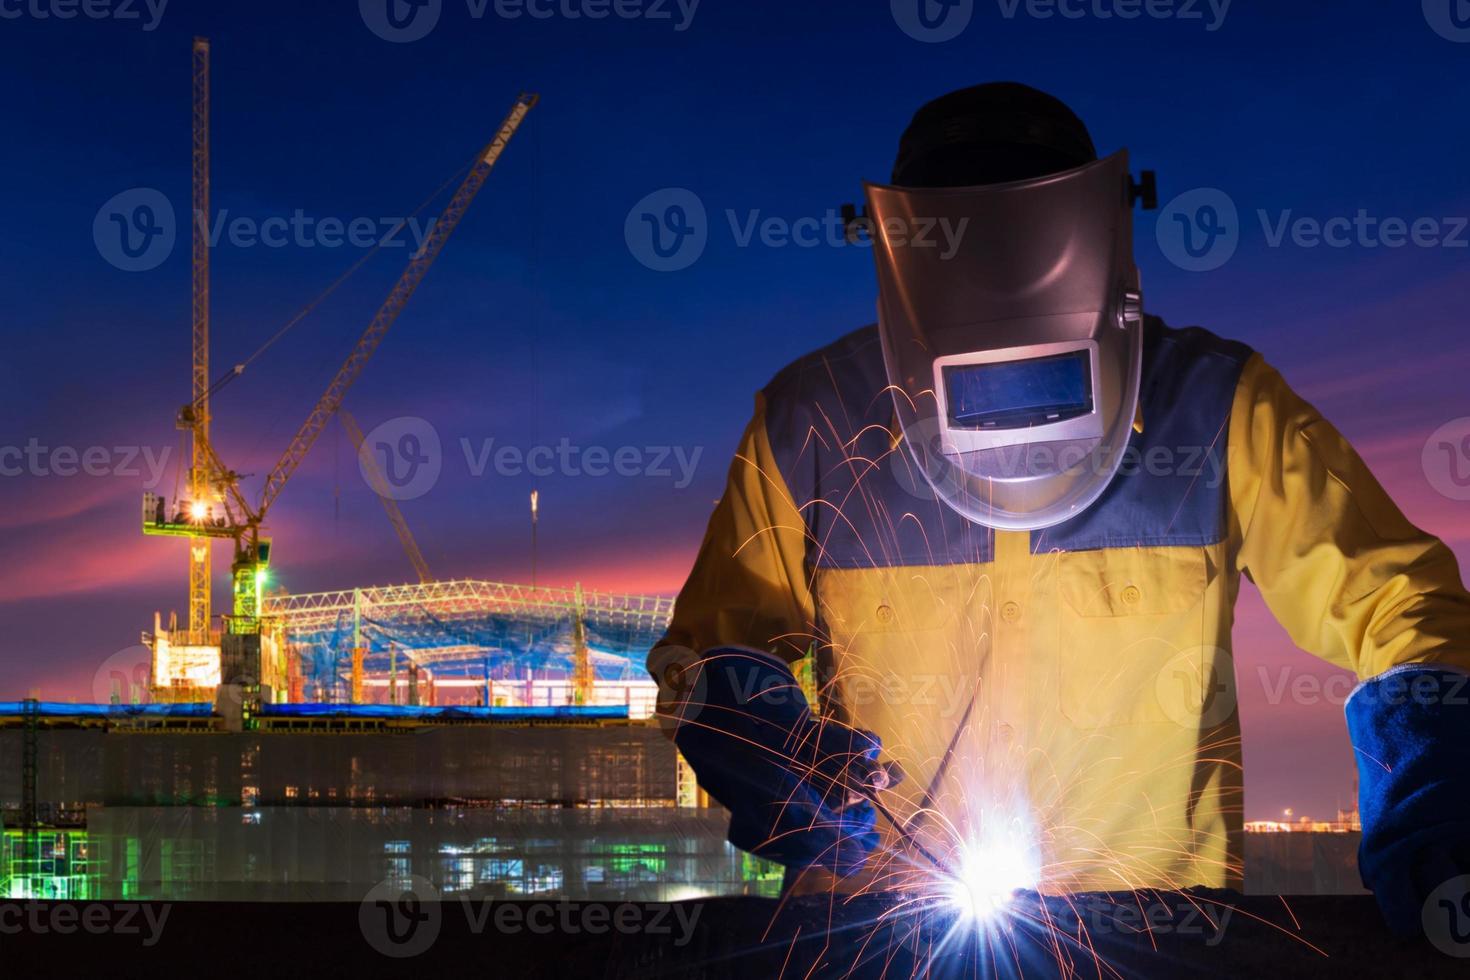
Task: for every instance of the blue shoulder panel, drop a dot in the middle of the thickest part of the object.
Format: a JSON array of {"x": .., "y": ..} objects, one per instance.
[
  {"x": 1172, "y": 488},
  {"x": 830, "y": 419}
]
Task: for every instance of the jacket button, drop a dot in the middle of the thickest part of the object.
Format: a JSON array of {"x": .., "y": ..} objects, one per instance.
[
  {"x": 1132, "y": 594},
  {"x": 1010, "y": 612},
  {"x": 885, "y": 614}
]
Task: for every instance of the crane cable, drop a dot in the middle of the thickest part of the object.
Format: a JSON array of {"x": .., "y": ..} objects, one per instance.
[{"x": 306, "y": 310}]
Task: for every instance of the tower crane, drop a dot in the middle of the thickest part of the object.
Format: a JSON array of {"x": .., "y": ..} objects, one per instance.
[{"x": 211, "y": 482}]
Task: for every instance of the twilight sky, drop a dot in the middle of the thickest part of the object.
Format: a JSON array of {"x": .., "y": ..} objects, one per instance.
[{"x": 541, "y": 325}]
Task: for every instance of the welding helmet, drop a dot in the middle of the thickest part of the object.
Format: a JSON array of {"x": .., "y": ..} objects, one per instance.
[{"x": 1011, "y": 322}]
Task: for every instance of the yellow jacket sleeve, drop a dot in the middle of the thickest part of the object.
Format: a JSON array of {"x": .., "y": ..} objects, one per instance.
[
  {"x": 749, "y": 584},
  {"x": 1339, "y": 565}
]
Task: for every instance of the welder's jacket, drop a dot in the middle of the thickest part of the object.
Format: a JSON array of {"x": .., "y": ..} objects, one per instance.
[{"x": 1077, "y": 677}]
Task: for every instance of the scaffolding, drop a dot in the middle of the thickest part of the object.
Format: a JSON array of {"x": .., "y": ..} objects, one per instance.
[
  {"x": 475, "y": 597},
  {"x": 564, "y": 644}
]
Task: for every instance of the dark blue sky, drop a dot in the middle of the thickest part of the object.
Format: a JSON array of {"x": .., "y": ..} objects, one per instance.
[{"x": 540, "y": 324}]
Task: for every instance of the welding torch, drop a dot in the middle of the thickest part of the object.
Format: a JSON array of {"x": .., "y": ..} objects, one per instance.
[{"x": 867, "y": 789}]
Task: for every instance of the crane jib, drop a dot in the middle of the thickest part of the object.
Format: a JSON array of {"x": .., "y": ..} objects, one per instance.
[{"x": 391, "y": 308}]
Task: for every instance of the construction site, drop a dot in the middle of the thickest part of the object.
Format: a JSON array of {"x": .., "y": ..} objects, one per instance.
[
  {"x": 659, "y": 489},
  {"x": 493, "y": 739}
]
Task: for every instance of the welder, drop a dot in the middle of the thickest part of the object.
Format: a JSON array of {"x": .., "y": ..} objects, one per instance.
[{"x": 1007, "y": 525}]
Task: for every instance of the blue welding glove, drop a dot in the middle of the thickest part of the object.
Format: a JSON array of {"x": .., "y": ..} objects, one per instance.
[
  {"x": 792, "y": 782},
  {"x": 1411, "y": 735}
]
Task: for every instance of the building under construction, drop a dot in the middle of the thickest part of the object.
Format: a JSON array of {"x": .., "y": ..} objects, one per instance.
[
  {"x": 158, "y": 804},
  {"x": 488, "y": 738}
]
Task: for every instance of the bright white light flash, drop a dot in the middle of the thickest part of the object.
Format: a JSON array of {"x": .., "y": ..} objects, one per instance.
[{"x": 988, "y": 877}]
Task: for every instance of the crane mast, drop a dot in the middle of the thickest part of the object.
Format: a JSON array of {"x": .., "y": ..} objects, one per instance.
[
  {"x": 211, "y": 483},
  {"x": 196, "y": 420}
]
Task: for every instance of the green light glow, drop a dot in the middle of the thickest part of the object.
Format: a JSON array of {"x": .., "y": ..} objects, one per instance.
[{"x": 54, "y": 864}]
